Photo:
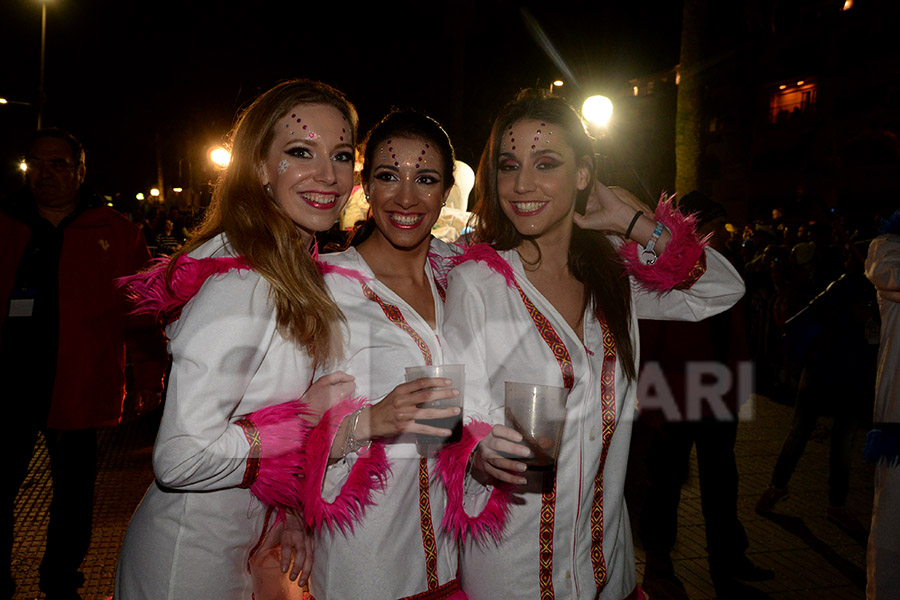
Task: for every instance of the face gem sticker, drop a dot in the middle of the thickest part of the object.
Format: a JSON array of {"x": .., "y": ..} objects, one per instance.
[{"x": 282, "y": 166}]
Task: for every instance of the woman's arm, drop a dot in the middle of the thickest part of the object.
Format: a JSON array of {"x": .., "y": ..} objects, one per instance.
[{"x": 217, "y": 346}]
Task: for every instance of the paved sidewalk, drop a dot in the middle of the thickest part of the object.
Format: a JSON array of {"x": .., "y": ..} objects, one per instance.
[{"x": 812, "y": 558}]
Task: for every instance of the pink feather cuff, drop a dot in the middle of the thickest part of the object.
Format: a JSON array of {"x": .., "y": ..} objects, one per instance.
[
  {"x": 276, "y": 435},
  {"x": 367, "y": 475},
  {"x": 155, "y": 294},
  {"x": 680, "y": 265},
  {"x": 452, "y": 464}
]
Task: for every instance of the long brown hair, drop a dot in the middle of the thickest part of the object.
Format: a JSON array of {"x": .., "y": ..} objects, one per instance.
[
  {"x": 592, "y": 257},
  {"x": 261, "y": 232}
]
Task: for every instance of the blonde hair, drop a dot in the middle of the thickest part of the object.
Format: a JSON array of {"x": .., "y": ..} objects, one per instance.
[{"x": 262, "y": 233}]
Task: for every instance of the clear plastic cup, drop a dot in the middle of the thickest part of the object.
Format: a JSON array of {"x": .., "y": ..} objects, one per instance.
[
  {"x": 428, "y": 445},
  {"x": 538, "y": 412}
]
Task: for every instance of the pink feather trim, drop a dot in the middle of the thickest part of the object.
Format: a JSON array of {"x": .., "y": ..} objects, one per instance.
[
  {"x": 153, "y": 294},
  {"x": 368, "y": 474},
  {"x": 282, "y": 434},
  {"x": 486, "y": 254},
  {"x": 326, "y": 268},
  {"x": 680, "y": 260},
  {"x": 452, "y": 462},
  {"x": 458, "y": 595}
]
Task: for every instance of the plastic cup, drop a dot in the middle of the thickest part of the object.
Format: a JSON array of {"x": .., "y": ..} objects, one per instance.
[
  {"x": 428, "y": 445},
  {"x": 538, "y": 412}
]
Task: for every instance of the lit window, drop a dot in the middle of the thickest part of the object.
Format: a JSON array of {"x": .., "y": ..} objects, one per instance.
[{"x": 788, "y": 99}]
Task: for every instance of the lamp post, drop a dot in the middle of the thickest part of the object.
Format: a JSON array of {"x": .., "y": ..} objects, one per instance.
[
  {"x": 556, "y": 84},
  {"x": 43, "y": 48}
]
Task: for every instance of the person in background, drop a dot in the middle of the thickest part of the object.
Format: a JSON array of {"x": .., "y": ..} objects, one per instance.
[
  {"x": 64, "y": 330},
  {"x": 679, "y": 415},
  {"x": 883, "y": 442}
]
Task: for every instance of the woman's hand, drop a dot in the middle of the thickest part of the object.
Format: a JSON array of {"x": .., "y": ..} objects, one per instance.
[
  {"x": 399, "y": 410},
  {"x": 328, "y": 390},
  {"x": 491, "y": 457},
  {"x": 297, "y": 545},
  {"x": 610, "y": 209}
]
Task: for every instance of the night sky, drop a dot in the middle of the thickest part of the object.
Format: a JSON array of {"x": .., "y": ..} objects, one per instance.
[{"x": 125, "y": 76}]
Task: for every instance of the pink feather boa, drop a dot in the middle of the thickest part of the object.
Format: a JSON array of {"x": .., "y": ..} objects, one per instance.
[
  {"x": 282, "y": 433},
  {"x": 680, "y": 260},
  {"x": 368, "y": 474},
  {"x": 326, "y": 268},
  {"x": 153, "y": 294},
  {"x": 451, "y": 469},
  {"x": 486, "y": 254}
]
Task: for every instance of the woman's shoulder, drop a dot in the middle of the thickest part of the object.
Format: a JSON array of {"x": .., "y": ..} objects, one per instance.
[
  {"x": 215, "y": 247},
  {"x": 484, "y": 262}
]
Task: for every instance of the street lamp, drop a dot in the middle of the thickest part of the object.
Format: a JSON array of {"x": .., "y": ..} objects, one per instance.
[
  {"x": 220, "y": 157},
  {"x": 556, "y": 84},
  {"x": 598, "y": 111}
]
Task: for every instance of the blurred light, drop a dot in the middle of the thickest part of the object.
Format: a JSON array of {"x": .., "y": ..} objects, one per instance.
[
  {"x": 801, "y": 82},
  {"x": 597, "y": 110},
  {"x": 154, "y": 192},
  {"x": 782, "y": 87},
  {"x": 109, "y": 204},
  {"x": 848, "y": 4},
  {"x": 177, "y": 190},
  {"x": 220, "y": 157},
  {"x": 558, "y": 83},
  {"x": 3, "y": 100},
  {"x": 23, "y": 166},
  {"x": 139, "y": 196},
  {"x": 635, "y": 90}
]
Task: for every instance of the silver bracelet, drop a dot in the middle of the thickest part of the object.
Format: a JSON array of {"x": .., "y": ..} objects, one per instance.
[{"x": 352, "y": 444}]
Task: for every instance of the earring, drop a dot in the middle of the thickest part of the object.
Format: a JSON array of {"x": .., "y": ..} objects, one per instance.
[
  {"x": 444, "y": 203},
  {"x": 367, "y": 197},
  {"x": 268, "y": 189}
]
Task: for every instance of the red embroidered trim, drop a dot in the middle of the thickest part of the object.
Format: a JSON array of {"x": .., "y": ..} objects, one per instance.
[
  {"x": 545, "y": 570},
  {"x": 696, "y": 273},
  {"x": 551, "y": 338},
  {"x": 396, "y": 317},
  {"x": 427, "y": 526},
  {"x": 252, "y": 434},
  {"x": 440, "y": 593},
  {"x": 608, "y": 410},
  {"x": 548, "y": 499}
]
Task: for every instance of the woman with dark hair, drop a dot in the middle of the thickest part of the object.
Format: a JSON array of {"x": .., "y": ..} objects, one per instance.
[
  {"x": 391, "y": 290},
  {"x": 552, "y": 296},
  {"x": 249, "y": 319}
]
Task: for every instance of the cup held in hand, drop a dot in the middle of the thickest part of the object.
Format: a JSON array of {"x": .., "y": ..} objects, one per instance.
[
  {"x": 428, "y": 445},
  {"x": 538, "y": 412}
]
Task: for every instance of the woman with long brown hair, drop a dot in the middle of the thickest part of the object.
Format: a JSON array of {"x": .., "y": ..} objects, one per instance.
[
  {"x": 249, "y": 320},
  {"x": 551, "y": 295}
]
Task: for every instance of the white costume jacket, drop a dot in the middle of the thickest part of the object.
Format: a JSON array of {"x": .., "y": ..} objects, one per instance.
[
  {"x": 396, "y": 550},
  {"x": 569, "y": 538},
  {"x": 194, "y": 531}
]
